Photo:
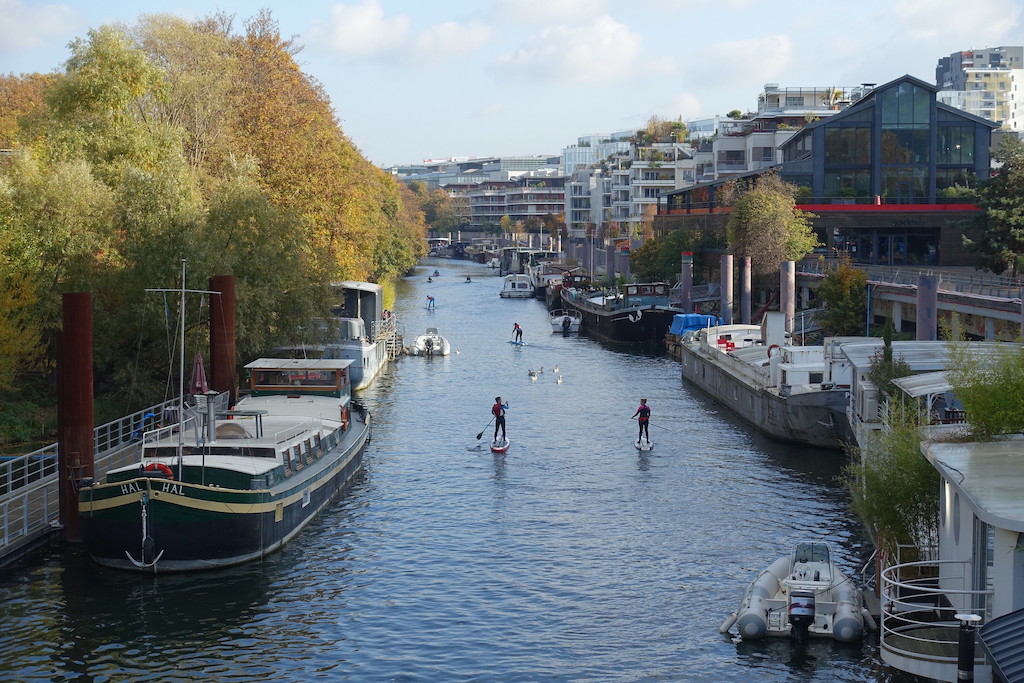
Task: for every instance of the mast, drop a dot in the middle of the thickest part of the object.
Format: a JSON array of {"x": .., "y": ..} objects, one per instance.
[{"x": 182, "y": 291}]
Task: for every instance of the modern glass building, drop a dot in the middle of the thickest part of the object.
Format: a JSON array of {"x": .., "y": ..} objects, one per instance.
[{"x": 882, "y": 176}]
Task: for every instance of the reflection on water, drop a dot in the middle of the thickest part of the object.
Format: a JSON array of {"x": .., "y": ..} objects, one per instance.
[{"x": 571, "y": 557}]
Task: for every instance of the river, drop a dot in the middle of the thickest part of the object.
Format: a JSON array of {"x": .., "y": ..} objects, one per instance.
[{"x": 572, "y": 557}]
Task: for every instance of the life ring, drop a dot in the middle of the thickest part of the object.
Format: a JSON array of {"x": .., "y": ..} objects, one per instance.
[
  {"x": 344, "y": 418},
  {"x": 773, "y": 346},
  {"x": 161, "y": 468}
]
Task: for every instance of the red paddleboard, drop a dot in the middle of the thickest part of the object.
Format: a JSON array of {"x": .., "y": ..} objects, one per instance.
[{"x": 500, "y": 446}]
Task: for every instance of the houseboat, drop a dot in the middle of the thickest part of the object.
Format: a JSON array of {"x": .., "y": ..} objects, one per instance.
[
  {"x": 777, "y": 388},
  {"x": 223, "y": 487},
  {"x": 634, "y": 313}
]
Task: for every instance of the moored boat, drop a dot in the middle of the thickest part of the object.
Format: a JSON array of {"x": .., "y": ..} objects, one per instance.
[
  {"x": 223, "y": 487},
  {"x": 430, "y": 343},
  {"x": 565, "y": 320},
  {"x": 779, "y": 389},
  {"x": 516, "y": 286},
  {"x": 799, "y": 595},
  {"x": 635, "y": 313},
  {"x": 362, "y": 331}
]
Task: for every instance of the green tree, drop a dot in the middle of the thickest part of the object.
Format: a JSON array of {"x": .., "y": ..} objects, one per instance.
[
  {"x": 892, "y": 486},
  {"x": 884, "y": 367},
  {"x": 997, "y": 237},
  {"x": 660, "y": 258},
  {"x": 990, "y": 386},
  {"x": 765, "y": 224},
  {"x": 199, "y": 71},
  {"x": 844, "y": 294}
]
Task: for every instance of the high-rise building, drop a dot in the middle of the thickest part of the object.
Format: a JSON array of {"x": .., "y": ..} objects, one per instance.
[{"x": 984, "y": 83}]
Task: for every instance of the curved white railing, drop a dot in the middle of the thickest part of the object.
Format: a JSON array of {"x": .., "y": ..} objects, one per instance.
[{"x": 920, "y": 601}]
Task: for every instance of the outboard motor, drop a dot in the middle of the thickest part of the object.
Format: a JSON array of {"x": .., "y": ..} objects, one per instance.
[{"x": 801, "y": 614}]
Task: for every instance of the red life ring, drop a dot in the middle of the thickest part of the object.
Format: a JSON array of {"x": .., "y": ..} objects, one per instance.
[
  {"x": 773, "y": 346},
  {"x": 160, "y": 467}
]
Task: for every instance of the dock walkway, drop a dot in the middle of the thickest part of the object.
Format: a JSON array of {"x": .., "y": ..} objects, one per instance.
[{"x": 29, "y": 484}]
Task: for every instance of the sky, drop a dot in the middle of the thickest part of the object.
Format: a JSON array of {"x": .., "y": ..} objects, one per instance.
[{"x": 412, "y": 80}]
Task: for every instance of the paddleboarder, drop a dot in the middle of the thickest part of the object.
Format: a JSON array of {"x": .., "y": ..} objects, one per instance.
[
  {"x": 498, "y": 411},
  {"x": 430, "y": 303},
  {"x": 517, "y": 331},
  {"x": 644, "y": 413}
]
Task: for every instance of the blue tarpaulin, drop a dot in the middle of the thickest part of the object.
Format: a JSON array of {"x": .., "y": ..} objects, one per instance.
[{"x": 686, "y": 322}]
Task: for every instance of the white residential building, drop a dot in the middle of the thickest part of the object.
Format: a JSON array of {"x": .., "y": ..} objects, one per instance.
[{"x": 985, "y": 83}]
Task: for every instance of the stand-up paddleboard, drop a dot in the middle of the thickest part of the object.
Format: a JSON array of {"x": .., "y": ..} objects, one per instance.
[
  {"x": 644, "y": 445},
  {"x": 500, "y": 446},
  {"x": 517, "y": 343}
]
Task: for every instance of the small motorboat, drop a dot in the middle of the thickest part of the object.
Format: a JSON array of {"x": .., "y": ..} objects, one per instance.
[
  {"x": 565, "y": 320},
  {"x": 430, "y": 344},
  {"x": 516, "y": 286},
  {"x": 801, "y": 595}
]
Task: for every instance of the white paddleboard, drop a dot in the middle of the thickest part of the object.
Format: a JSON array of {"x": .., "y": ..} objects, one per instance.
[
  {"x": 644, "y": 445},
  {"x": 517, "y": 343},
  {"x": 500, "y": 446}
]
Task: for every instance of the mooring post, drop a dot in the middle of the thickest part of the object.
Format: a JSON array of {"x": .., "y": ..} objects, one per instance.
[
  {"x": 75, "y": 408},
  {"x": 965, "y": 654}
]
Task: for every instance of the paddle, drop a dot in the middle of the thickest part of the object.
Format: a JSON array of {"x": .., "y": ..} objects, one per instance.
[{"x": 481, "y": 434}]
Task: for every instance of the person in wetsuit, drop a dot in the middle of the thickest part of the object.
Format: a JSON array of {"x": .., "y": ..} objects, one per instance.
[
  {"x": 644, "y": 413},
  {"x": 498, "y": 411},
  {"x": 517, "y": 331}
]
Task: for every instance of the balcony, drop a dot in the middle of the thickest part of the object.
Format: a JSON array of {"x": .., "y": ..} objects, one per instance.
[{"x": 919, "y": 632}]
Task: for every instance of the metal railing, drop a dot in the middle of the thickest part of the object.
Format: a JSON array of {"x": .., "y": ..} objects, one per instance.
[
  {"x": 29, "y": 484},
  {"x": 919, "y": 601},
  {"x": 949, "y": 280}
]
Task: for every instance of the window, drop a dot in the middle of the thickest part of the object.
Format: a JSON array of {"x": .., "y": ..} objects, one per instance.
[
  {"x": 844, "y": 145},
  {"x": 905, "y": 104},
  {"x": 955, "y": 145},
  {"x": 794, "y": 101},
  {"x": 905, "y": 145}
]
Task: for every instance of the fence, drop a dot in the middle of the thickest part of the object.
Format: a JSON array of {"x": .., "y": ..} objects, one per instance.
[{"x": 29, "y": 484}]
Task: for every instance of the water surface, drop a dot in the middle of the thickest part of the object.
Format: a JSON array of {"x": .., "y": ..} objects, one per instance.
[{"x": 572, "y": 557}]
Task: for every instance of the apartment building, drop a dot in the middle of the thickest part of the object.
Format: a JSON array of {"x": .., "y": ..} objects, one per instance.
[
  {"x": 527, "y": 199},
  {"x": 984, "y": 83}
]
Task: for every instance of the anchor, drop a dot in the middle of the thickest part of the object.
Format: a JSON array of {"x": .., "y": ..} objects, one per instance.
[{"x": 148, "y": 542}]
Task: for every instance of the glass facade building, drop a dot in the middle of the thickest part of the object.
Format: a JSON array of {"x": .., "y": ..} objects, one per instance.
[{"x": 882, "y": 175}]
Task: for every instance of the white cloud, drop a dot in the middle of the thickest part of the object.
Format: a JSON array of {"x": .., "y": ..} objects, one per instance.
[
  {"x": 361, "y": 30},
  {"x": 603, "y": 49},
  {"x": 735, "y": 64},
  {"x": 685, "y": 105},
  {"x": 545, "y": 12},
  {"x": 442, "y": 43},
  {"x": 364, "y": 32},
  {"x": 25, "y": 26}
]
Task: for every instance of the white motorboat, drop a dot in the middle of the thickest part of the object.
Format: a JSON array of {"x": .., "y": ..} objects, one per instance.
[
  {"x": 517, "y": 286},
  {"x": 430, "y": 344},
  {"x": 565, "y": 320},
  {"x": 801, "y": 595}
]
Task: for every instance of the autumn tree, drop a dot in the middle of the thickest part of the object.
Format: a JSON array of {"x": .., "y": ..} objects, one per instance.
[
  {"x": 765, "y": 224},
  {"x": 997, "y": 238},
  {"x": 844, "y": 295},
  {"x": 22, "y": 97},
  {"x": 199, "y": 69}
]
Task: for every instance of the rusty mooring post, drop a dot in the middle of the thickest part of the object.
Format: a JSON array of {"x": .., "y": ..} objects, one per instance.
[{"x": 74, "y": 408}]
